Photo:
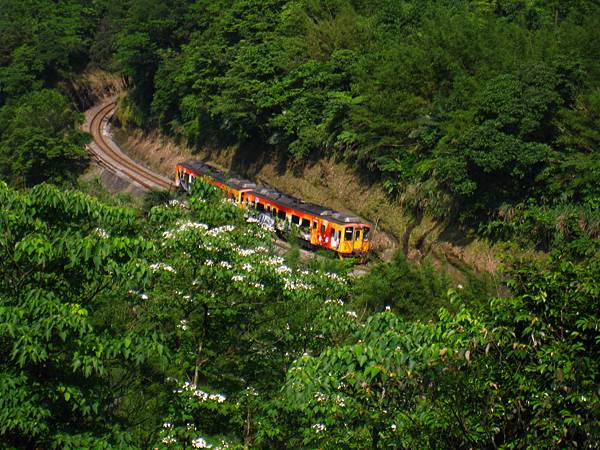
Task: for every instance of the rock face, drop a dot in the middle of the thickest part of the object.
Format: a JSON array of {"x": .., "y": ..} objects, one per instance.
[{"x": 88, "y": 89}]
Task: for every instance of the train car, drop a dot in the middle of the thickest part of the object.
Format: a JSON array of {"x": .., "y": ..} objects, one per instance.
[
  {"x": 345, "y": 234},
  {"x": 188, "y": 171}
]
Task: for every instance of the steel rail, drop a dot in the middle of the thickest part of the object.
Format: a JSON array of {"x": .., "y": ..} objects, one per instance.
[{"x": 114, "y": 160}]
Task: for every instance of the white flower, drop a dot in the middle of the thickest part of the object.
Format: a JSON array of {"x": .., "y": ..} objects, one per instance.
[
  {"x": 258, "y": 286},
  {"x": 192, "y": 226},
  {"x": 141, "y": 294},
  {"x": 274, "y": 261},
  {"x": 334, "y": 276},
  {"x": 200, "y": 394},
  {"x": 189, "y": 386},
  {"x": 225, "y": 265},
  {"x": 199, "y": 442},
  {"x": 340, "y": 401},
  {"x": 169, "y": 440},
  {"x": 219, "y": 398},
  {"x": 283, "y": 269},
  {"x": 319, "y": 427},
  {"x": 162, "y": 266},
  {"x": 320, "y": 397},
  {"x": 246, "y": 252},
  {"x": 247, "y": 267},
  {"x": 183, "y": 324},
  {"x": 206, "y": 246},
  {"x": 460, "y": 286},
  {"x": 167, "y": 425},
  {"x": 209, "y": 262},
  {"x": 387, "y": 308},
  {"x": 177, "y": 203},
  {"x": 337, "y": 302},
  {"x": 351, "y": 314},
  {"x": 291, "y": 285},
  {"x": 393, "y": 427},
  {"x": 219, "y": 230},
  {"x": 237, "y": 278},
  {"x": 101, "y": 233}
]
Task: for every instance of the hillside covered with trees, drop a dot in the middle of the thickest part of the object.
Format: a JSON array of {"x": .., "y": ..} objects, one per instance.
[
  {"x": 481, "y": 112},
  {"x": 177, "y": 323}
]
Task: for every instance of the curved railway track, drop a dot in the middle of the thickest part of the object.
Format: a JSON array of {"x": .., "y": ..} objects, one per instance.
[
  {"x": 108, "y": 154},
  {"x": 104, "y": 150}
]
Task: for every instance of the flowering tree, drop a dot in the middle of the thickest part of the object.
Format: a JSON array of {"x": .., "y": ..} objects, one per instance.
[
  {"x": 179, "y": 326},
  {"x": 236, "y": 316}
]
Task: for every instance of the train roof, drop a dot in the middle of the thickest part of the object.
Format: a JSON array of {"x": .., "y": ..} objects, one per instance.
[
  {"x": 288, "y": 201},
  {"x": 273, "y": 195},
  {"x": 230, "y": 180}
]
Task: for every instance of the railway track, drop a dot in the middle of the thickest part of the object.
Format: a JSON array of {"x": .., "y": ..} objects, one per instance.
[{"x": 107, "y": 153}]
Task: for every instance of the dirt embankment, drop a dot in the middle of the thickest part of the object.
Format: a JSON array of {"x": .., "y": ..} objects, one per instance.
[{"x": 334, "y": 185}]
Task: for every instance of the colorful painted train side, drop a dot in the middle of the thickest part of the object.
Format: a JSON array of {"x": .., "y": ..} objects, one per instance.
[{"x": 321, "y": 227}]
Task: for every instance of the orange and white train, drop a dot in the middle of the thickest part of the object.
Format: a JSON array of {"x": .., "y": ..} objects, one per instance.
[{"x": 321, "y": 227}]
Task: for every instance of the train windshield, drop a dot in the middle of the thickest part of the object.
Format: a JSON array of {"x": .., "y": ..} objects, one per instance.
[{"x": 366, "y": 233}]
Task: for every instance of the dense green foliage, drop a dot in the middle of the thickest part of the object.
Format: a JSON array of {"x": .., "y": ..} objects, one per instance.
[
  {"x": 465, "y": 109},
  {"x": 179, "y": 327},
  {"x": 414, "y": 291},
  {"x": 42, "y": 43}
]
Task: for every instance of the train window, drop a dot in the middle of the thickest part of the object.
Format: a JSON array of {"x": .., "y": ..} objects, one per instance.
[
  {"x": 305, "y": 223},
  {"x": 348, "y": 232},
  {"x": 335, "y": 239},
  {"x": 366, "y": 233},
  {"x": 260, "y": 207},
  {"x": 314, "y": 224},
  {"x": 357, "y": 234},
  {"x": 323, "y": 228},
  {"x": 268, "y": 208},
  {"x": 295, "y": 219},
  {"x": 281, "y": 215}
]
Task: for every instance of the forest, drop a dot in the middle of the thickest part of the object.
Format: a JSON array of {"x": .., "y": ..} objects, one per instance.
[{"x": 174, "y": 323}]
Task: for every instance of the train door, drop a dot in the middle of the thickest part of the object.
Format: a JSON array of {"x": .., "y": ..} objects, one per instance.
[
  {"x": 314, "y": 232},
  {"x": 323, "y": 237},
  {"x": 357, "y": 239},
  {"x": 365, "y": 239},
  {"x": 348, "y": 241}
]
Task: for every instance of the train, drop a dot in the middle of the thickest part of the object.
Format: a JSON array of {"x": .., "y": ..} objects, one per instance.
[{"x": 316, "y": 225}]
